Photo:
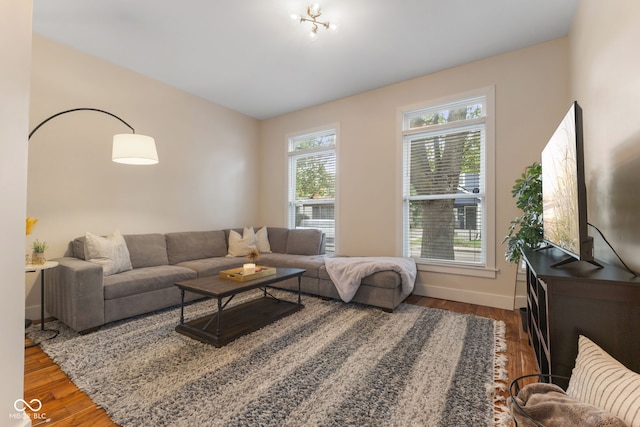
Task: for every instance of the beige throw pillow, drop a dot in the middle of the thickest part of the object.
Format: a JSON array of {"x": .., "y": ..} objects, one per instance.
[
  {"x": 241, "y": 245},
  {"x": 110, "y": 252},
  {"x": 262, "y": 241},
  {"x": 600, "y": 380}
]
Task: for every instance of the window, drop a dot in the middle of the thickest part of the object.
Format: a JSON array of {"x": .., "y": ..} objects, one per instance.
[
  {"x": 312, "y": 183},
  {"x": 447, "y": 210}
]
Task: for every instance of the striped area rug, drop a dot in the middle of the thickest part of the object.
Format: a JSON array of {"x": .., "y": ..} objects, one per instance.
[{"x": 331, "y": 364}]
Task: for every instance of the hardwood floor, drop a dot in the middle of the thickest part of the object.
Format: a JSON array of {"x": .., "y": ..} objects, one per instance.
[{"x": 65, "y": 405}]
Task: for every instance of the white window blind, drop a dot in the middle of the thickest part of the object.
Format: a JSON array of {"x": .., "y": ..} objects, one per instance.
[
  {"x": 444, "y": 185},
  {"x": 312, "y": 183}
]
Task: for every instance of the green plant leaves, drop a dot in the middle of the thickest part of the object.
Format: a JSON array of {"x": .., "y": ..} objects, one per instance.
[{"x": 526, "y": 229}]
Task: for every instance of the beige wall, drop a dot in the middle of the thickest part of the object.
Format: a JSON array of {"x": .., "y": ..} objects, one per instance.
[
  {"x": 84, "y": 191},
  {"x": 15, "y": 44},
  {"x": 605, "y": 70},
  {"x": 206, "y": 178},
  {"x": 532, "y": 95}
]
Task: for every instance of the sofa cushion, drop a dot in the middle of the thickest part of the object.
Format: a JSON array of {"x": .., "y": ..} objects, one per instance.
[
  {"x": 147, "y": 250},
  {"x": 190, "y": 245},
  {"x": 381, "y": 279},
  {"x": 311, "y": 264},
  {"x": 304, "y": 241},
  {"x": 278, "y": 239},
  {"x": 212, "y": 266},
  {"x": 110, "y": 252},
  {"x": 144, "y": 279}
]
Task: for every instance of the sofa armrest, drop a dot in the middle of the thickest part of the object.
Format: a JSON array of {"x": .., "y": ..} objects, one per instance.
[{"x": 74, "y": 293}]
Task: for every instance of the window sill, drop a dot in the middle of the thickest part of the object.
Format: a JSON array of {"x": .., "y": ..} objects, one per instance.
[{"x": 458, "y": 269}]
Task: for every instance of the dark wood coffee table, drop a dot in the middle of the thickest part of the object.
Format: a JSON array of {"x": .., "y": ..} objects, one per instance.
[{"x": 218, "y": 329}]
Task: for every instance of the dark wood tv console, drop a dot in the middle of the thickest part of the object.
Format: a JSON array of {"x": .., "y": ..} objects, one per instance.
[{"x": 575, "y": 299}]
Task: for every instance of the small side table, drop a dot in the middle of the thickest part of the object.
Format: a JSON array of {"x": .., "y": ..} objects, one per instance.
[{"x": 34, "y": 268}]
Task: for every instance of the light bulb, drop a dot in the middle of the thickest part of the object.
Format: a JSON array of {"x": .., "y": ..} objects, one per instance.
[
  {"x": 295, "y": 17},
  {"x": 313, "y": 35},
  {"x": 333, "y": 26},
  {"x": 314, "y": 9}
]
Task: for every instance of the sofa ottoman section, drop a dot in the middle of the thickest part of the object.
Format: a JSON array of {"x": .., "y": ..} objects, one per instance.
[{"x": 381, "y": 289}]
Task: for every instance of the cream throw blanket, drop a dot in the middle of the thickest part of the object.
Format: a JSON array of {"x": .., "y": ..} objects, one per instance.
[{"x": 347, "y": 272}]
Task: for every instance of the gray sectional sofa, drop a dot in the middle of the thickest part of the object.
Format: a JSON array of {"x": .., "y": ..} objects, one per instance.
[{"x": 78, "y": 294}]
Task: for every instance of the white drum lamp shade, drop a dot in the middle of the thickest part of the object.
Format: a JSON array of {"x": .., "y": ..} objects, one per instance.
[
  {"x": 134, "y": 149},
  {"x": 129, "y": 148}
]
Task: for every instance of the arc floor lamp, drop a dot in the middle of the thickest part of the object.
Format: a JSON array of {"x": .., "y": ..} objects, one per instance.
[
  {"x": 128, "y": 148},
  {"x": 132, "y": 149}
]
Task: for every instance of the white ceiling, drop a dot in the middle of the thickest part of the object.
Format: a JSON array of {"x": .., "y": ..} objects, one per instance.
[{"x": 250, "y": 56}]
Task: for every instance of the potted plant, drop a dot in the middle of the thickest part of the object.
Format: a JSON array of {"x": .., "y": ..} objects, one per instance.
[
  {"x": 526, "y": 229},
  {"x": 37, "y": 254}
]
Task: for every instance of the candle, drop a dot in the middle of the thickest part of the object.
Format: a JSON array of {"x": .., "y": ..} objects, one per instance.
[{"x": 249, "y": 268}]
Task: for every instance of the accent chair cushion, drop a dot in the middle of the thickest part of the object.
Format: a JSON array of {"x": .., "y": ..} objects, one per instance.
[{"x": 600, "y": 380}]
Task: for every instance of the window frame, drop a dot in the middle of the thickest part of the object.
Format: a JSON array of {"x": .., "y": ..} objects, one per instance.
[
  {"x": 487, "y": 270},
  {"x": 291, "y": 153}
]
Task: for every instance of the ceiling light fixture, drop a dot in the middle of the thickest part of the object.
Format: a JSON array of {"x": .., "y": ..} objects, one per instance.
[{"x": 313, "y": 13}]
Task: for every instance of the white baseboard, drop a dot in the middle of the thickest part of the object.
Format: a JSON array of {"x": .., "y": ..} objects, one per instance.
[
  {"x": 520, "y": 301},
  {"x": 470, "y": 297},
  {"x": 33, "y": 312},
  {"x": 466, "y": 296}
]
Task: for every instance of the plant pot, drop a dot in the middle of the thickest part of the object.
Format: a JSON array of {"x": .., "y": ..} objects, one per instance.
[{"x": 37, "y": 258}]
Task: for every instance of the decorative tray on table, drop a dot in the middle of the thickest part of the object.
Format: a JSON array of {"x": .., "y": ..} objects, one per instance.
[{"x": 238, "y": 273}]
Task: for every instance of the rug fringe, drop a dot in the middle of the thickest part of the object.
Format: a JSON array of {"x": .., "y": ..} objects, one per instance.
[{"x": 498, "y": 389}]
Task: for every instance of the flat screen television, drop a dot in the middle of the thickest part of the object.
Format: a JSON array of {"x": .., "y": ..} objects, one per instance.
[{"x": 564, "y": 193}]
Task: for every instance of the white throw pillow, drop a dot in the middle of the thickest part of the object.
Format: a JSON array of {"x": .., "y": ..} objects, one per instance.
[
  {"x": 262, "y": 241},
  {"x": 600, "y": 380},
  {"x": 111, "y": 252},
  {"x": 241, "y": 245}
]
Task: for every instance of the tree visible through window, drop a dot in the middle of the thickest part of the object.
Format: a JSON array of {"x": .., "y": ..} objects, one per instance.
[
  {"x": 444, "y": 182},
  {"x": 312, "y": 183}
]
